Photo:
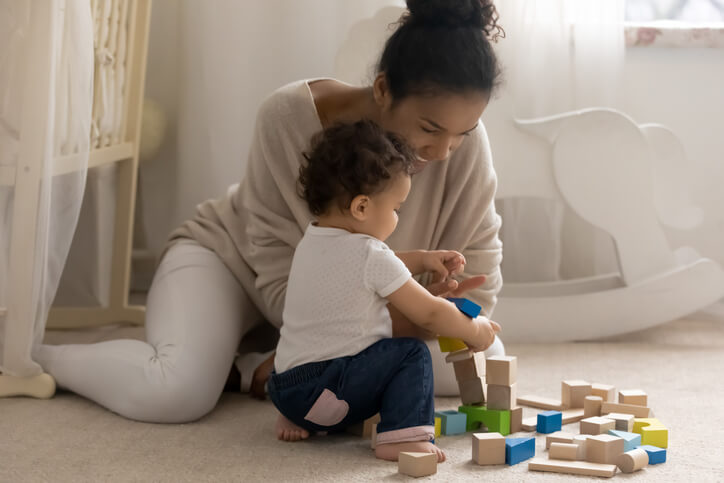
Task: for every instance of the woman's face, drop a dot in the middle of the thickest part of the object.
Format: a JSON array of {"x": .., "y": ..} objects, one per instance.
[{"x": 433, "y": 125}]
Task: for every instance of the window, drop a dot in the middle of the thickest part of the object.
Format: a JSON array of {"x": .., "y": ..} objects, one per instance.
[{"x": 694, "y": 11}]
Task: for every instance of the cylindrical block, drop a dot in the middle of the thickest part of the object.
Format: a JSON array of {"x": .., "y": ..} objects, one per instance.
[
  {"x": 632, "y": 460},
  {"x": 563, "y": 451},
  {"x": 592, "y": 406}
]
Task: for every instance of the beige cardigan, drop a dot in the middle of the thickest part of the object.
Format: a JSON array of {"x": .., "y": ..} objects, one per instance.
[{"x": 256, "y": 225}]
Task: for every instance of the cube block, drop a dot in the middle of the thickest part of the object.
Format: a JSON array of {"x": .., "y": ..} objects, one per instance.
[
  {"x": 501, "y": 370},
  {"x": 472, "y": 391},
  {"x": 637, "y": 397},
  {"x": 607, "y": 392},
  {"x": 448, "y": 344},
  {"x": 452, "y": 422},
  {"x": 574, "y": 392},
  {"x": 604, "y": 449},
  {"x": 489, "y": 448},
  {"x": 624, "y": 422},
  {"x": 468, "y": 307},
  {"x": 501, "y": 397},
  {"x": 597, "y": 425}
]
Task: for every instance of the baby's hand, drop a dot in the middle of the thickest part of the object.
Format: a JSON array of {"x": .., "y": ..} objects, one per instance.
[
  {"x": 485, "y": 334},
  {"x": 444, "y": 263}
]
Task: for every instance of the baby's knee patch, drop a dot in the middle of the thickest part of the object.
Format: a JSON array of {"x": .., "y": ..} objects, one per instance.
[{"x": 327, "y": 410}]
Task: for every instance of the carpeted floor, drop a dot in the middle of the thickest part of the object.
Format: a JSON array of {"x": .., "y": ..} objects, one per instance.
[{"x": 68, "y": 438}]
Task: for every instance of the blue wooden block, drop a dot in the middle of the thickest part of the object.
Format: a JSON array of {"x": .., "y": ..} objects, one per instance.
[
  {"x": 549, "y": 422},
  {"x": 656, "y": 455},
  {"x": 468, "y": 307},
  {"x": 519, "y": 449},
  {"x": 452, "y": 422},
  {"x": 630, "y": 440}
]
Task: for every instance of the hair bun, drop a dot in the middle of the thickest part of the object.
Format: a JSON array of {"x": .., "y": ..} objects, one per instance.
[{"x": 480, "y": 14}]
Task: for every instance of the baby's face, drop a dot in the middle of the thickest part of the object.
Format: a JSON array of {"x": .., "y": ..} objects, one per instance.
[{"x": 384, "y": 208}]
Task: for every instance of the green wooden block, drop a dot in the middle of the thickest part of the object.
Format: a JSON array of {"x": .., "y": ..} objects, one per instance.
[{"x": 495, "y": 420}]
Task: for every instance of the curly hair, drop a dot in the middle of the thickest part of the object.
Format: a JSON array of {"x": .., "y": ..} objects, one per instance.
[{"x": 349, "y": 159}]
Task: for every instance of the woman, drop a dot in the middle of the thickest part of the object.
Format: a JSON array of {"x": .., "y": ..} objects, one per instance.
[{"x": 225, "y": 271}]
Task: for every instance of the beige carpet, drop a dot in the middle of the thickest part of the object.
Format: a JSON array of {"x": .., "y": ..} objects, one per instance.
[{"x": 67, "y": 438}]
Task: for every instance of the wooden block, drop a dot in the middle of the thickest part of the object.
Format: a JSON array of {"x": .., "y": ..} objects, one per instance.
[
  {"x": 604, "y": 448},
  {"x": 572, "y": 415},
  {"x": 438, "y": 426},
  {"x": 529, "y": 424},
  {"x": 448, "y": 344},
  {"x": 572, "y": 467},
  {"x": 373, "y": 436},
  {"x": 501, "y": 370},
  {"x": 494, "y": 420},
  {"x": 637, "y": 411},
  {"x": 472, "y": 391},
  {"x": 607, "y": 392},
  {"x": 630, "y": 440},
  {"x": 452, "y": 422},
  {"x": 519, "y": 449},
  {"x": 459, "y": 355},
  {"x": 501, "y": 397},
  {"x": 592, "y": 406},
  {"x": 489, "y": 448},
  {"x": 563, "y": 451},
  {"x": 540, "y": 402},
  {"x": 656, "y": 455},
  {"x": 580, "y": 441},
  {"x": 417, "y": 464},
  {"x": 652, "y": 432},
  {"x": 549, "y": 422},
  {"x": 596, "y": 425},
  {"x": 516, "y": 419},
  {"x": 466, "y": 306},
  {"x": 637, "y": 397},
  {"x": 470, "y": 368},
  {"x": 558, "y": 437},
  {"x": 632, "y": 460},
  {"x": 624, "y": 422},
  {"x": 574, "y": 392},
  {"x": 364, "y": 429}
]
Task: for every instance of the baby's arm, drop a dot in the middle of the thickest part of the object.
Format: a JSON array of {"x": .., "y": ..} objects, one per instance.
[{"x": 441, "y": 316}]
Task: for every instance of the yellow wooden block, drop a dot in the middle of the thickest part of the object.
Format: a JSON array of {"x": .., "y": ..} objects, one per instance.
[
  {"x": 438, "y": 425},
  {"x": 448, "y": 344},
  {"x": 652, "y": 432}
]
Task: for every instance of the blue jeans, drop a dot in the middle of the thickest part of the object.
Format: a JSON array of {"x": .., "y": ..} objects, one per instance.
[{"x": 392, "y": 377}]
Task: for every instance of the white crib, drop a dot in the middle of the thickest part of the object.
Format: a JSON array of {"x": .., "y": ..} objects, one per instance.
[{"x": 120, "y": 37}]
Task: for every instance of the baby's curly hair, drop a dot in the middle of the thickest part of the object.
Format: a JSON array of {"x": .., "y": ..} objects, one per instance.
[{"x": 349, "y": 159}]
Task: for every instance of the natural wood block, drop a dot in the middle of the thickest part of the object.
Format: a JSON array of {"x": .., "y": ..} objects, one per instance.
[
  {"x": 471, "y": 368},
  {"x": 572, "y": 415},
  {"x": 580, "y": 441},
  {"x": 597, "y": 425},
  {"x": 624, "y": 422},
  {"x": 516, "y": 419},
  {"x": 583, "y": 468},
  {"x": 489, "y": 448},
  {"x": 459, "y": 355},
  {"x": 607, "y": 392},
  {"x": 501, "y": 397},
  {"x": 574, "y": 392},
  {"x": 417, "y": 464},
  {"x": 364, "y": 429},
  {"x": 540, "y": 402},
  {"x": 637, "y": 411},
  {"x": 632, "y": 460},
  {"x": 472, "y": 391},
  {"x": 501, "y": 370},
  {"x": 636, "y": 397},
  {"x": 373, "y": 436},
  {"x": 558, "y": 437},
  {"x": 530, "y": 423},
  {"x": 604, "y": 448},
  {"x": 563, "y": 451},
  {"x": 592, "y": 406}
]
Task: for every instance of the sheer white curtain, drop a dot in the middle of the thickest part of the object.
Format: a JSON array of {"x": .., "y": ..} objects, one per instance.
[
  {"x": 211, "y": 64},
  {"x": 46, "y": 93},
  {"x": 558, "y": 56}
]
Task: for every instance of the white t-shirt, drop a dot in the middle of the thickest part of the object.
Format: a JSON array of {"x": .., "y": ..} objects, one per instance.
[{"x": 335, "y": 303}]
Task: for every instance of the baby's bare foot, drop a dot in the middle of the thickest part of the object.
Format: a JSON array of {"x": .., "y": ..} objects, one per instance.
[
  {"x": 288, "y": 431},
  {"x": 391, "y": 451}
]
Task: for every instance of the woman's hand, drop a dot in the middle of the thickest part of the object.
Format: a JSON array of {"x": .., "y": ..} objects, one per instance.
[
  {"x": 443, "y": 263},
  {"x": 453, "y": 288}
]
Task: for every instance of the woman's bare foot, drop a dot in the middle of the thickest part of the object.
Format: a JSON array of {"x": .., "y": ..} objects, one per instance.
[
  {"x": 288, "y": 431},
  {"x": 391, "y": 451}
]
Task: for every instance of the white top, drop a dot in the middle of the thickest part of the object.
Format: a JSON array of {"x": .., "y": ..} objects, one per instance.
[
  {"x": 335, "y": 304},
  {"x": 255, "y": 227}
]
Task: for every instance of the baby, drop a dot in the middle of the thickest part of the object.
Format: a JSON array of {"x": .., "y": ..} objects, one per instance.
[{"x": 337, "y": 363}]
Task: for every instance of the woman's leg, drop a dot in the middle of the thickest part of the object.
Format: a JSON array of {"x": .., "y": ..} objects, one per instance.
[
  {"x": 196, "y": 314},
  {"x": 445, "y": 382}
]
